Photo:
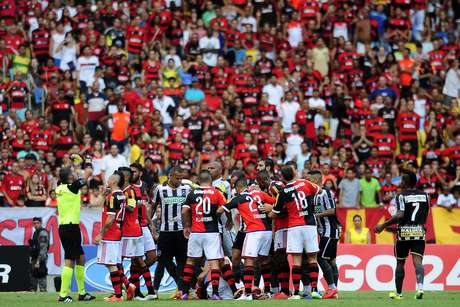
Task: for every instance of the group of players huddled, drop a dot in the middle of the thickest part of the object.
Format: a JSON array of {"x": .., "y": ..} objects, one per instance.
[{"x": 277, "y": 217}]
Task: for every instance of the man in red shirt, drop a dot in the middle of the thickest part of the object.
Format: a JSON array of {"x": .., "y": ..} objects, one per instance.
[
  {"x": 132, "y": 238},
  {"x": 200, "y": 216},
  {"x": 297, "y": 197},
  {"x": 251, "y": 205},
  {"x": 408, "y": 124},
  {"x": 13, "y": 185},
  {"x": 109, "y": 239}
]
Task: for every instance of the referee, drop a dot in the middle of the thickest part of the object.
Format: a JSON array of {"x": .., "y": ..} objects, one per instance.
[
  {"x": 171, "y": 241},
  {"x": 68, "y": 199}
]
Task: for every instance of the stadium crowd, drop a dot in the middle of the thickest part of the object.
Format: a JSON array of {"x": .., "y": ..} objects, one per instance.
[{"x": 358, "y": 89}]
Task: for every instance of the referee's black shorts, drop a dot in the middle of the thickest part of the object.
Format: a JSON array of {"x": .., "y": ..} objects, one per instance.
[
  {"x": 172, "y": 244},
  {"x": 328, "y": 248},
  {"x": 404, "y": 247},
  {"x": 70, "y": 237}
]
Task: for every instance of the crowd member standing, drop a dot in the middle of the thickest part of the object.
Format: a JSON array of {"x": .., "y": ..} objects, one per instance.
[
  {"x": 69, "y": 202},
  {"x": 170, "y": 196},
  {"x": 413, "y": 207},
  {"x": 329, "y": 232}
]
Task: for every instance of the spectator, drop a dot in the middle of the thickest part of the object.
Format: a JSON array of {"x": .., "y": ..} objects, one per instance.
[
  {"x": 349, "y": 188},
  {"x": 119, "y": 135},
  {"x": 358, "y": 234},
  {"x": 112, "y": 162},
  {"x": 13, "y": 186},
  {"x": 369, "y": 188},
  {"x": 275, "y": 93},
  {"x": 289, "y": 108},
  {"x": 35, "y": 192},
  {"x": 446, "y": 199},
  {"x": 51, "y": 201}
]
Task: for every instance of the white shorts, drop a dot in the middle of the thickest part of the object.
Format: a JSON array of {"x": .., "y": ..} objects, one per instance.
[
  {"x": 302, "y": 239},
  {"x": 256, "y": 244},
  {"x": 149, "y": 244},
  {"x": 109, "y": 252},
  {"x": 132, "y": 247},
  {"x": 208, "y": 243},
  {"x": 280, "y": 240}
]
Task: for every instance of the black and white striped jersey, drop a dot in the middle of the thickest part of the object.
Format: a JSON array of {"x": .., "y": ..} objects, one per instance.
[
  {"x": 170, "y": 200},
  {"x": 416, "y": 206},
  {"x": 328, "y": 226}
]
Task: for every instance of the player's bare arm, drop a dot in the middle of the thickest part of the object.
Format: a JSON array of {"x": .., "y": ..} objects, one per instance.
[
  {"x": 393, "y": 220},
  {"x": 108, "y": 223}
]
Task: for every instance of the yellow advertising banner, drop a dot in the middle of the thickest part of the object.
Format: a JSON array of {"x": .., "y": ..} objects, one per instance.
[{"x": 446, "y": 225}]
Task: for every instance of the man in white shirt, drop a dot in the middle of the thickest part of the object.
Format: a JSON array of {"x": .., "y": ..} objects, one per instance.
[
  {"x": 294, "y": 142},
  {"x": 210, "y": 47},
  {"x": 319, "y": 105},
  {"x": 247, "y": 19},
  {"x": 289, "y": 109},
  {"x": 112, "y": 162},
  {"x": 452, "y": 82},
  {"x": 275, "y": 93},
  {"x": 165, "y": 104},
  {"x": 446, "y": 199},
  {"x": 86, "y": 69}
]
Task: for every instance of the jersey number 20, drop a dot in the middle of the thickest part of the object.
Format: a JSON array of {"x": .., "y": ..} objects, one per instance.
[{"x": 203, "y": 205}]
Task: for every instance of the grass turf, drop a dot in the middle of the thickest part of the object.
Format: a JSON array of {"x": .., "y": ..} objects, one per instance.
[{"x": 349, "y": 299}]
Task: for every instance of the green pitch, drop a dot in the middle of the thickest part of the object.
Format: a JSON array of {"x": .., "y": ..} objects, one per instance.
[{"x": 349, "y": 299}]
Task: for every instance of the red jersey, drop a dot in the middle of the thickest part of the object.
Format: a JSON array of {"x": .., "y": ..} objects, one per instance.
[
  {"x": 408, "y": 125},
  {"x": 114, "y": 202},
  {"x": 13, "y": 186},
  {"x": 203, "y": 202},
  {"x": 430, "y": 187},
  {"x": 453, "y": 154},
  {"x": 142, "y": 199},
  {"x": 386, "y": 145},
  {"x": 389, "y": 192},
  {"x": 249, "y": 205},
  {"x": 297, "y": 196},
  {"x": 282, "y": 220},
  {"x": 130, "y": 226}
]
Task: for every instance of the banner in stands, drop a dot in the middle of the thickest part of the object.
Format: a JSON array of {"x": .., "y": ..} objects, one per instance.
[
  {"x": 14, "y": 268},
  {"x": 16, "y": 228}
]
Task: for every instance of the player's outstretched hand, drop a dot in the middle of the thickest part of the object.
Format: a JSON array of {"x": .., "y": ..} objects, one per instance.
[{"x": 378, "y": 228}]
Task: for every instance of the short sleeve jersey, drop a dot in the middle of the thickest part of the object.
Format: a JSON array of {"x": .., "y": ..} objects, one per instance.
[
  {"x": 298, "y": 197},
  {"x": 416, "y": 205},
  {"x": 130, "y": 219},
  {"x": 249, "y": 205},
  {"x": 204, "y": 202},
  {"x": 114, "y": 202}
]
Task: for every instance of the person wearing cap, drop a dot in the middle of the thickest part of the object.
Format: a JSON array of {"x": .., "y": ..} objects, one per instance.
[
  {"x": 39, "y": 244},
  {"x": 69, "y": 202},
  {"x": 27, "y": 152}
]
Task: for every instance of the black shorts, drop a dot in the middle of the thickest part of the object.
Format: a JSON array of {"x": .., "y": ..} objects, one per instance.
[
  {"x": 70, "y": 237},
  {"x": 239, "y": 240},
  {"x": 404, "y": 247},
  {"x": 328, "y": 248},
  {"x": 172, "y": 244}
]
